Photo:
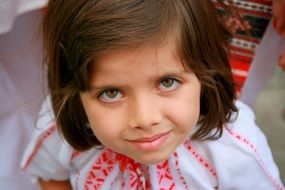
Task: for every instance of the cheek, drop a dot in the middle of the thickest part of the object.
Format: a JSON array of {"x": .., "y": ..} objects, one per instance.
[
  {"x": 185, "y": 111},
  {"x": 105, "y": 124},
  {"x": 187, "y": 115}
]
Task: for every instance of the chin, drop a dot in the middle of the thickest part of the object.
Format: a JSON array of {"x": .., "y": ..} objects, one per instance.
[{"x": 151, "y": 159}]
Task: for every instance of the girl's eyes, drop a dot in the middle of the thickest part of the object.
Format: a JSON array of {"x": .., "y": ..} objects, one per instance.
[
  {"x": 169, "y": 84},
  {"x": 110, "y": 95},
  {"x": 113, "y": 95}
]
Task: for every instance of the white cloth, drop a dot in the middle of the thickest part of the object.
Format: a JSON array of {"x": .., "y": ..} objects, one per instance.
[
  {"x": 10, "y": 9},
  {"x": 240, "y": 159},
  {"x": 263, "y": 64},
  {"x": 21, "y": 86}
]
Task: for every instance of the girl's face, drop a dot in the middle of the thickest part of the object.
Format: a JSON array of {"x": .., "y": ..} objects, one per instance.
[{"x": 142, "y": 102}]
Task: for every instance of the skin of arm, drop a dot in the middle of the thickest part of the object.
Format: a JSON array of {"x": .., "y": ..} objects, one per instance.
[
  {"x": 281, "y": 61},
  {"x": 278, "y": 11},
  {"x": 55, "y": 185}
]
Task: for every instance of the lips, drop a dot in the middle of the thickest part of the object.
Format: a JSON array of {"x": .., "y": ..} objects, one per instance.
[
  {"x": 150, "y": 139},
  {"x": 150, "y": 143}
]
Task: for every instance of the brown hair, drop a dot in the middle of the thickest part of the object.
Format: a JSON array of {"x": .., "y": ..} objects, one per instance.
[{"x": 77, "y": 32}]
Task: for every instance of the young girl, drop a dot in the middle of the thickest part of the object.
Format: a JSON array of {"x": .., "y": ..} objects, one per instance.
[{"x": 143, "y": 98}]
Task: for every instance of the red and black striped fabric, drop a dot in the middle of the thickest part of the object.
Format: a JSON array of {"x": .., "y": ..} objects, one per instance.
[{"x": 244, "y": 43}]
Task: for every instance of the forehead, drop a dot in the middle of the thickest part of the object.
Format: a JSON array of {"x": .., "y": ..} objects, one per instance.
[
  {"x": 135, "y": 65},
  {"x": 128, "y": 59}
]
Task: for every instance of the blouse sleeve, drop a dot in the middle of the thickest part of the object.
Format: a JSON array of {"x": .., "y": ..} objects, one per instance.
[
  {"x": 47, "y": 156},
  {"x": 242, "y": 158},
  {"x": 251, "y": 163}
]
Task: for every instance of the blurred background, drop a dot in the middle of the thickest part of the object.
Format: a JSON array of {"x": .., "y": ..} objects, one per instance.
[{"x": 270, "y": 116}]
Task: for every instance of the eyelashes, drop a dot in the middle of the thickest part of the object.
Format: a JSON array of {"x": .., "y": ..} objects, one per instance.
[
  {"x": 110, "y": 95},
  {"x": 169, "y": 84},
  {"x": 113, "y": 95}
]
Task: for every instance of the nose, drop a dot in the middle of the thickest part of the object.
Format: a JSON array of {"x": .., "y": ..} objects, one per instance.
[{"x": 144, "y": 112}]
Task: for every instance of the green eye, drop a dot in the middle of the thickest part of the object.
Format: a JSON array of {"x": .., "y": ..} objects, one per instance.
[
  {"x": 110, "y": 95},
  {"x": 167, "y": 82}
]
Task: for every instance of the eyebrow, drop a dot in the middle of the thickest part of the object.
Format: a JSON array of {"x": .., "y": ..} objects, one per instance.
[
  {"x": 180, "y": 72},
  {"x": 172, "y": 73}
]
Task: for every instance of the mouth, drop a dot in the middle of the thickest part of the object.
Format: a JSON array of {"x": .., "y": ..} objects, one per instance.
[{"x": 150, "y": 143}]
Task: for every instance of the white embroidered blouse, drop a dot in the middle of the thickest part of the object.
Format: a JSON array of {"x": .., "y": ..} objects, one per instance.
[{"x": 240, "y": 159}]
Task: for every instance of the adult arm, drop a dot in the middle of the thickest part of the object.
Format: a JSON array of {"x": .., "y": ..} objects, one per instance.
[{"x": 278, "y": 11}]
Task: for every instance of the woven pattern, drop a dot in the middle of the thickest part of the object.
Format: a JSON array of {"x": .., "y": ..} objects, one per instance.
[{"x": 256, "y": 14}]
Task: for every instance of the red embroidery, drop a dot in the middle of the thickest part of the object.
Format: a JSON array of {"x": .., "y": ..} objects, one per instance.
[
  {"x": 100, "y": 171},
  {"x": 165, "y": 180},
  {"x": 200, "y": 159},
  {"x": 181, "y": 177},
  {"x": 77, "y": 180},
  {"x": 105, "y": 164},
  {"x": 38, "y": 146},
  {"x": 137, "y": 180},
  {"x": 125, "y": 161},
  {"x": 75, "y": 154}
]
